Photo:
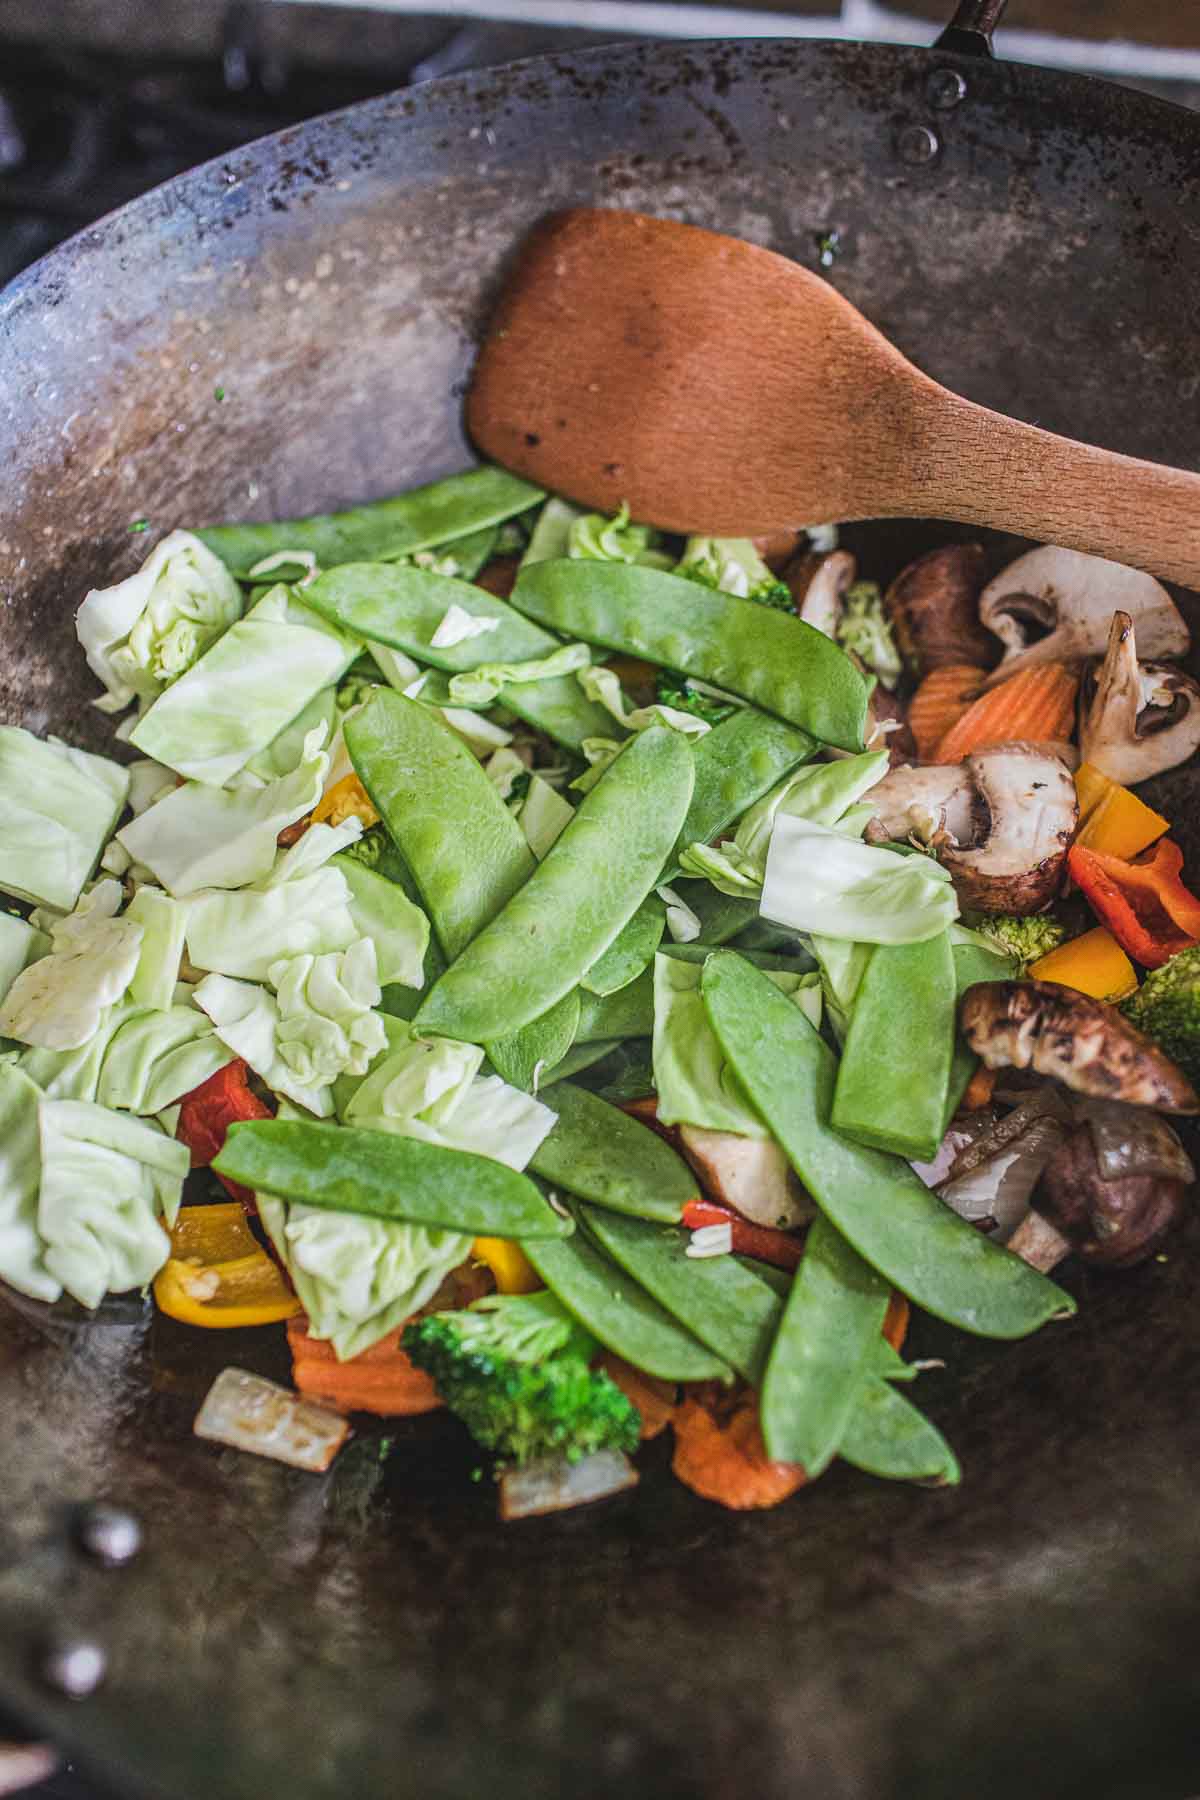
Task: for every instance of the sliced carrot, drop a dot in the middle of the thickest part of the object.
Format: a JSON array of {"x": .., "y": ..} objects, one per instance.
[
  {"x": 978, "y": 1091},
  {"x": 895, "y": 1320},
  {"x": 379, "y": 1380},
  {"x": 1038, "y": 705},
  {"x": 940, "y": 702},
  {"x": 720, "y": 1455},
  {"x": 654, "y": 1399}
]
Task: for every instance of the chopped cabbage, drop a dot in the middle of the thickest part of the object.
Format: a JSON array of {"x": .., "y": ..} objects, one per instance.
[
  {"x": 153, "y": 1059},
  {"x": 164, "y": 929},
  {"x": 20, "y": 944},
  {"x": 326, "y": 1024},
  {"x": 457, "y": 625},
  {"x": 604, "y": 687},
  {"x": 242, "y": 934},
  {"x": 383, "y": 912},
  {"x": 22, "y": 1252},
  {"x": 481, "y": 685},
  {"x": 58, "y": 807},
  {"x": 247, "y": 1020},
  {"x": 57, "y": 1002},
  {"x": 544, "y": 816},
  {"x": 817, "y": 880}
]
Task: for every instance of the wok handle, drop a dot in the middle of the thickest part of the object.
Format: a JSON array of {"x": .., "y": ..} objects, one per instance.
[{"x": 970, "y": 30}]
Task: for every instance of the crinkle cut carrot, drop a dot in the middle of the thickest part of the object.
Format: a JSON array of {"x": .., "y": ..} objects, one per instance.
[
  {"x": 940, "y": 702},
  {"x": 720, "y": 1455},
  {"x": 1036, "y": 706},
  {"x": 380, "y": 1380}
]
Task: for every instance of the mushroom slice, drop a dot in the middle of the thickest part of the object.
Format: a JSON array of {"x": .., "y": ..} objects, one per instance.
[
  {"x": 750, "y": 1174},
  {"x": 1001, "y": 822},
  {"x": 933, "y": 605},
  {"x": 819, "y": 585},
  {"x": 1139, "y": 718},
  {"x": 1069, "y": 599},
  {"x": 1082, "y": 1042}
]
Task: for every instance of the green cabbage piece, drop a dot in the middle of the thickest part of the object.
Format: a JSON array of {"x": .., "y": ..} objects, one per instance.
[
  {"x": 247, "y": 1020},
  {"x": 604, "y": 687},
  {"x": 382, "y": 911},
  {"x": 245, "y": 690},
  {"x": 481, "y": 685},
  {"x": 164, "y": 929},
  {"x": 58, "y": 807},
  {"x": 58, "y": 1001},
  {"x": 303, "y": 907},
  {"x": 20, "y": 944},
  {"x": 593, "y": 537},
  {"x": 286, "y": 752},
  {"x": 544, "y": 816},
  {"x": 733, "y": 566},
  {"x": 326, "y": 1023},
  {"x": 842, "y": 965},
  {"x": 22, "y": 1251},
  {"x": 147, "y": 631},
  {"x": 550, "y": 539},
  {"x": 106, "y": 1180},
  {"x": 153, "y": 1059},
  {"x": 819, "y": 880},
  {"x": 865, "y": 629}
]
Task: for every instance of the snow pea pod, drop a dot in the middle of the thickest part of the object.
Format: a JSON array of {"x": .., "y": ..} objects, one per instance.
[
  {"x": 631, "y": 951},
  {"x": 892, "y": 1219},
  {"x": 770, "y": 658},
  {"x": 619, "y": 1312},
  {"x": 402, "y": 606},
  {"x": 716, "y": 1298},
  {"x": 762, "y": 959},
  {"x": 384, "y": 528},
  {"x": 537, "y": 1046},
  {"x": 578, "y": 1058},
  {"x": 972, "y": 963},
  {"x": 737, "y": 762},
  {"x": 386, "y": 1176},
  {"x": 629, "y": 1013},
  {"x": 466, "y": 852},
  {"x": 892, "y": 1079},
  {"x": 602, "y": 1154},
  {"x": 886, "y": 1435},
  {"x": 833, "y": 1315},
  {"x": 721, "y": 916},
  {"x": 593, "y": 879}
]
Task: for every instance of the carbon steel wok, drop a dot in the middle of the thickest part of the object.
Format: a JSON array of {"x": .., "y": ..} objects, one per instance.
[{"x": 1033, "y": 241}]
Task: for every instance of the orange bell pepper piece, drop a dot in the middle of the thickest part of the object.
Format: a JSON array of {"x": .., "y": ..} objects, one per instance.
[
  {"x": 1114, "y": 821},
  {"x": 1093, "y": 964},
  {"x": 218, "y": 1275},
  {"x": 346, "y": 799}
]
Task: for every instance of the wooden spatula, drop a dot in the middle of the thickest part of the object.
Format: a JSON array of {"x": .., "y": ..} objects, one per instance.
[{"x": 718, "y": 387}]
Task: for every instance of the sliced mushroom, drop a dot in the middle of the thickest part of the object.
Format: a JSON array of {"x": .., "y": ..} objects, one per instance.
[
  {"x": 1084, "y": 1043},
  {"x": 1055, "y": 605},
  {"x": 1001, "y": 822},
  {"x": 818, "y": 587},
  {"x": 750, "y": 1174},
  {"x": 933, "y": 605},
  {"x": 1138, "y": 718},
  {"x": 1114, "y": 1224}
]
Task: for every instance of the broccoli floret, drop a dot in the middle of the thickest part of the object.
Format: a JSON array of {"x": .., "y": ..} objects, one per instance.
[
  {"x": 865, "y": 629},
  {"x": 733, "y": 566},
  {"x": 672, "y": 690},
  {"x": 1167, "y": 1008},
  {"x": 369, "y": 848},
  {"x": 514, "y": 1367},
  {"x": 1027, "y": 938}
]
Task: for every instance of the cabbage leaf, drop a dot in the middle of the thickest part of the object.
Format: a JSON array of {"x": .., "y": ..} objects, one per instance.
[
  {"x": 247, "y": 1020},
  {"x": 22, "y": 1252},
  {"x": 58, "y": 807},
  {"x": 397, "y": 927},
  {"x": 326, "y": 1024},
  {"x": 819, "y": 881},
  {"x": 164, "y": 929},
  {"x": 58, "y": 1001}
]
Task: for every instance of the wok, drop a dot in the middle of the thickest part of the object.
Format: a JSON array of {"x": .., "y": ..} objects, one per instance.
[{"x": 1030, "y": 239}]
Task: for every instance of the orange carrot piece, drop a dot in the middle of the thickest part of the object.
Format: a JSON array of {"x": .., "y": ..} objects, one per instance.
[
  {"x": 654, "y": 1399},
  {"x": 720, "y": 1455},
  {"x": 1038, "y": 705},
  {"x": 940, "y": 702},
  {"x": 380, "y": 1380},
  {"x": 978, "y": 1091},
  {"x": 895, "y": 1320}
]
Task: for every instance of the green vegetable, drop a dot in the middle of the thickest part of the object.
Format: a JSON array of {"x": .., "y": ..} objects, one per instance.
[
  {"x": 574, "y": 904},
  {"x": 386, "y": 1176},
  {"x": 769, "y": 658},
  {"x": 716, "y": 1298},
  {"x": 722, "y": 916},
  {"x": 383, "y": 912},
  {"x": 890, "y": 1217},
  {"x": 514, "y": 1367},
  {"x": 58, "y": 1001},
  {"x": 820, "y": 881},
  {"x": 57, "y": 810},
  {"x": 737, "y": 763},
  {"x": 327, "y": 1022},
  {"x": 885, "y": 1435},
  {"x": 893, "y": 1077},
  {"x": 22, "y": 1249},
  {"x": 1167, "y": 1008},
  {"x": 466, "y": 852},
  {"x": 551, "y": 534},
  {"x": 619, "y": 1312},
  {"x": 248, "y": 1020},
  {"x": 826, "y": 1339},
  {"x": 304, "y": 904},
  {"x": 20, "y": 944},
  {"x": 601, "y": 1154},
  {"x": 151, "y": 1060},
  {"x": 629, "y": 1013},
  {"x": 631, "y": 951},
  {"x": 733, "y": 566},
  {"x": 977, "y": 957},
  {"x": 865, "y": 629},
  {"x": 434, "y": 514},
  {"x": 671, "y": 689},
  {"x": 537, "y": 1046},
  {"x": 623, "y": 1071},
  {"x": 164, "y": 928},
  {"x": 1023, "y": 939},
  {"x": 595, "y": 538}
]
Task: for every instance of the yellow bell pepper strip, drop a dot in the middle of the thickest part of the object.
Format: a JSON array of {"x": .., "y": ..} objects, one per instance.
[
  {"x": 1115, "y": 821},
  {"x": 514, "y": 1272},
  {"x": 1094, "y": 964},
  {"x": 218, "y": 1276},
  {"x": 346, "y": 799}
]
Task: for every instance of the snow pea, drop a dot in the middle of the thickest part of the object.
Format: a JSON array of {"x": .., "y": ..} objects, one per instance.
[
  {"x": 699, "y": 952},
  {"x": 716, "y": 1298},
  {"x": 425, "y": 516},
  {"x": 593, "y": 879},
  {"x": 721, "y": 916},
  {"x": 631, "y": 951},
  {"x": 737, "y": 762},
  {"x": 578, "y": 1058},
  {"x": 770, "y": 658},
  {"x": 972, "y": 963},
  {"x": 402, "y": 606},
  {"x": 834, "y": 1314},
  {"x": 886, "y": 1435},
  {"x": 619, "y": 1312},
  {"x": 467, "y": 853},
  {"x": 538, "y": 1046},
  {"x": 892, "y": 1219},
  {"x": 892, "y": 1079},
  {"x": 602, "y": 1154},
  {"x": 386, "y": 1176},
  {"x": 629, "y": 1013}
]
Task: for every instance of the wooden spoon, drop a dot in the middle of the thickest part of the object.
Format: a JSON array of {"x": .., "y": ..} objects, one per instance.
[{"x": 720, "y": 388}]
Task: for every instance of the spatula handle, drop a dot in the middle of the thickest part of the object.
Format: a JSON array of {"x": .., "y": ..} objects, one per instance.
[{"x": 985, "y": 469}]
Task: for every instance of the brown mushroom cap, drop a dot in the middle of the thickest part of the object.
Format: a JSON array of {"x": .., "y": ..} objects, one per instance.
[
  {"x": 1138, "y": 718},
  {"x": 818, "y": 586},
  {"x": 933, "y": 606},
  {"x": 1114, "y": 1224},
  {"x": 1084, "y": 1043}
]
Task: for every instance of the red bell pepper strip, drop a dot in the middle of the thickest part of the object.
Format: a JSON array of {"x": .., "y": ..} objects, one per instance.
[
  {"x": 206, "y": 1114},
  {"x": 763, "y": 1242},
  {"x": 1144, "y": 904}
]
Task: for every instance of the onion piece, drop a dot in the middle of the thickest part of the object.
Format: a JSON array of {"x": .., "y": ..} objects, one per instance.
[
  {"x": 249, "y": 1413},
  {"x": 552, "y": 1484},
  {"x": 1047, "y": 1103},
  {"x": 1132, "y": 1140},
  {"x": 1002, "y": 1187}
]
